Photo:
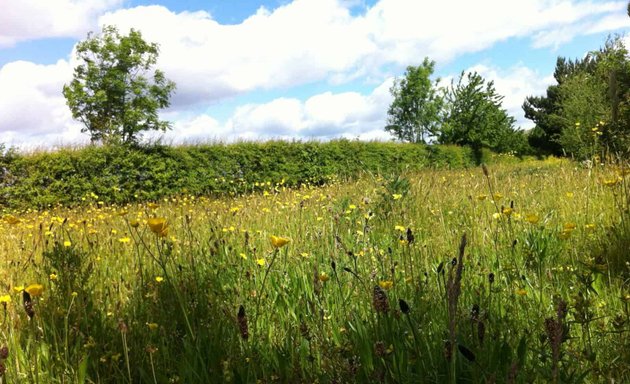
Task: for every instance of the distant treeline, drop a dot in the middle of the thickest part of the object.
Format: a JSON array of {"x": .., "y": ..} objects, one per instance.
[{"x": 121, "y": 174}]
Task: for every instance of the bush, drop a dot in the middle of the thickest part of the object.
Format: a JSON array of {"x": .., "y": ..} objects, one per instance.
[{"x": 119, "y": 174}]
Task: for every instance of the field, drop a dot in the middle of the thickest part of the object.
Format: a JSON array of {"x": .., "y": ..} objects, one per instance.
[{"x": 512, "y": 273}]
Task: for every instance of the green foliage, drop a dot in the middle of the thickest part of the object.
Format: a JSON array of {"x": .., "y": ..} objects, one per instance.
[
  {"x": 414, "y": 114},
  {"x": 119, "y": 174},
  {"x": 111, "y": 93},
  {"x": 474, "y": 115},
  {"x": 588, "y": 111}
]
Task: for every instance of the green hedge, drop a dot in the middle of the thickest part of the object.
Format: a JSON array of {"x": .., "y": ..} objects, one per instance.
[{"x": 121, "y": 174}]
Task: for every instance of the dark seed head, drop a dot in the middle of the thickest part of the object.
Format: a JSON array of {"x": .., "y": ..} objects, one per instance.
[
  {"x": 242, "y": 323},
  {"x": 491, "y": 277},
  {"x": 474, "y": 312},
  {"x": 4, "y": 353},
  {"x": 404, "y": 307},
  {"x": 410, "y": 236},
  {"x": 379, "y": 300},
  {"x": 28, "y": 304}
]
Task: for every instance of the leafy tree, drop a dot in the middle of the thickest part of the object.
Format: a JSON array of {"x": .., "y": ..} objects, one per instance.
[
  {"x": 613, "y": 71},
  {"x": 546, "y": 111},
  {"x": 583, "y": 106},
  {"x": 111, "y": 93},
  {"x": 589, "y": 91},
  {"x": 414, "y": 114},
  {"x": 475, "y": 117}
]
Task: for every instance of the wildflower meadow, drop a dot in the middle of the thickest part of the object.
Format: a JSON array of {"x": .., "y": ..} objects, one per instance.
[{"x": 513, "y": 273}]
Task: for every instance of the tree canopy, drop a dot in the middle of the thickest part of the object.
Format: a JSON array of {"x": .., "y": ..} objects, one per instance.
[
  {"x": 588, "y": 111},
  {"x": 414, "y": 114},
  {"x": 474, "y": 114},
  {"x": 114, "y": 93}
]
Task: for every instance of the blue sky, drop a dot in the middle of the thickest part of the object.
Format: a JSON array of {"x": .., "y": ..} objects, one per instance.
[{"x": 280, "y": 69}]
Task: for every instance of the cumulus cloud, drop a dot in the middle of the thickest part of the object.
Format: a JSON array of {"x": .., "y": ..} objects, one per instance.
[
  {"x": 300, "y": 42},
  {"x": 307, "y": 41},
  {"x": 320, "y": 117},
  {"x": 32, "y": 108},
  {"x": 33, "y": 19}
]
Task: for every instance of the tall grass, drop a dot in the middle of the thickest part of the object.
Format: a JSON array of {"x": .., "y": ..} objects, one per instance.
[{"x": 377, "y": 283}]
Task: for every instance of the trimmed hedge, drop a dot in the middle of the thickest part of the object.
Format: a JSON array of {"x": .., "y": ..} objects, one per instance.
[{"x": 123, "y": 174}]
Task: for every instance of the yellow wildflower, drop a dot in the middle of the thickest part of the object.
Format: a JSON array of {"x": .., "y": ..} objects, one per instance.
[
  {"x": 611, "y": 182},
  {"x": 19, "y": 288},
  {"x": 396, "y": 196},
  {"x": 158, "y": 226},
  {"x": 386, "y": 284},
  {"x": 159, "y": 279},
  {"x": 53, "y": 276},
  {"x": 67, "y": 243},
  {"x": 279, "y": 242},
  {"x": 35, "y": 289},
  {"x": 12, "y": 219},
  {"x": 532, "y": 218},
  {"x": 569, "y": 226},
  {"x": 323, "y": 277},
  {"x": 152, "y": 326},
  {"x": 4, "y": 299},
  {"x": 400, "y": 228},
  {"x": 482, "y": 197},
  {"x": 260, "y": 261},
  {"x": 124, "y": 240}
]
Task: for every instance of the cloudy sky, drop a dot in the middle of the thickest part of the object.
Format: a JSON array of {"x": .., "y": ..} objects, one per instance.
[{"x": 281, "y": 69}]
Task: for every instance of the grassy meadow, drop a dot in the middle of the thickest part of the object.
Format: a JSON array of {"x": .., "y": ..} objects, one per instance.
[{"x": 514, "y": 273}]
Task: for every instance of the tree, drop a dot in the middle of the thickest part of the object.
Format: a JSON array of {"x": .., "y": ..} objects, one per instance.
[
  {"x": 474, "y": 116},
  {"x": 111, "y": 93},
  {"x": 547, "y": 111},
  {"x": 588, "y": 110},
  {"x": 414, "y": 114}
]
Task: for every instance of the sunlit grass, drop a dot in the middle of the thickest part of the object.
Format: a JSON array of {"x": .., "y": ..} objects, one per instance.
[{"x": 347, "y": 282}]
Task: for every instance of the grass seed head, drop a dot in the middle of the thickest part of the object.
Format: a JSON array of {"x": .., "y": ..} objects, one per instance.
[
  {"x": 28, "y": 304},
  {"x": 242, "y": 323},
  {"x": 379, "y": 299},
  {"x": 4, "y": 352},
  {"x": 404, "y": 307}
]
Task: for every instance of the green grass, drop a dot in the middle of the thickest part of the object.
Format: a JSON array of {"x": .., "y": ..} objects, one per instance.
[{"x": 532, "y": 295}]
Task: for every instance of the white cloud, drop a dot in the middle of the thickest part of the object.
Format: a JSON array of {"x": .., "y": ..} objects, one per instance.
[
  {"x": 33, "y": 19},
  {"x": 300, "y": 42},
  {"x": 307, "y": 41},
  {"x": 32, "y": 108},
  {"x": 515, "y": 84},
  {"x": 321, "y": 117}
]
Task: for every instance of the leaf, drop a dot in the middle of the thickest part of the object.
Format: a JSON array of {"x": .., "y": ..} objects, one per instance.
[{"x": 467, "y": 353}]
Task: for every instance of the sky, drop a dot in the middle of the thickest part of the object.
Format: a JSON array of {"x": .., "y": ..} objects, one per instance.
[{"x": 292, "y": 70}]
